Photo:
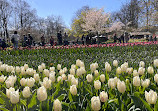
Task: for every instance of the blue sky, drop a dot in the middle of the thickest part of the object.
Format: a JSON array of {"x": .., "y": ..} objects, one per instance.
[{"x": 67, "y": 8}]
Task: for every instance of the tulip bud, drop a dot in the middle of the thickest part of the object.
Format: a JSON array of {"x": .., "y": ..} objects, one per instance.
[
  {"x": 52, "y": 69},
  {"x": 136, "y": 81},
  {"x": 74, "y": 81},
  {"x": 26, "y": 66},
  {"x": 41, "y": 94},
  {"x": 102, "y": 78},
  {"x": 121, "y": 86},
  {"x": 156, "y": 78},
  {"x": 46, "y": 83},
  {"x": 93, "y": 66},
  {"x": 64, "y": 77},
  {"x": 79, "y": 72},
  {"x": 145, "y": 83},
  {"x": 115, "y": 63},
  {"x": 58, "y": 66},
  {"x": 70, "y": 77},
  {"x": 111, "y": 83},
  {"x": 151, "y": 97},
  {"x": 14, "y": 97},
  {"x": 2, "y": 78},
  {"x": 60, "y": 79},
  {"x": 65, "y": 69},
  {"x": 78, "y": 62},
  {"x": 118, "y": 70},
  {"x": 95, "y": 103},
  {"x": 107, "y": 67},
  {"x": 73, "y": 66},
  {"x": 156, "y": 62},
  {"x": 127, "y": 81},
  {"x": 17, "y": 69},
  {"x": 141, "y": 64},
  {"x": 72, "y": 71},
  {"x": 57, "y": 105},
  {"x": 103, "y": 96},
  {"x": 52, "y": 77},
  {"x": 30, "y": 82},
  {"x": 73, "y": 89},
  {"x": 8, "y": 91},
  {"x": 89, "y": 78},
  {"x": 36, "y": 77},
  {"x": 129, "y": 70},
  {"x": 61, "y": 72},
  {"x": 135, "y": 73},
  {"x": 96, "y": 73},
  {"x": 141, "y": 70},
  {"x": 43, "y": 65},
  {"x": 10, "y": 81},
  {"x": 23, "y": 81},
  {"x": 124, "y": 67},
  {"x": 26, "y": 92},
  {"x": 46, "y": 72},
  {"x": 23, "y": 72},
  {"x": 97, "y": 84},
  {"x": 150, "y": 70},
  {"x": 40, "y": 68}
]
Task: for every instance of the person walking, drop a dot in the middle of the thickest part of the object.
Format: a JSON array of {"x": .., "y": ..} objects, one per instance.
[
  {"x": 43, "y": 40},
  {"x": 65, "y": 39},
  {"x": 59, "y": 36},
  {"x": 30, "y": 39},
  {"x": 115, "y": 38},
  {"x": 15, "y": 38},
  {"x": 126, "y": 37},
  {"x": 51, "y": 40}
]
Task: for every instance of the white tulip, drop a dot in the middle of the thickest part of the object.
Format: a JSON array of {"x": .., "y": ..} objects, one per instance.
[
  {"x": 40, "y": 68},
  {"x": 102, "y": 78},
  {"x": 26, "y": 92},
  {"x": 60, "y": 79},
  {"x": 29, "y": 71},
  {"x": 141, "y": 64},
  {"x": 156, "y": 62},
  {"x": 112, "y": 83},
  {"x": 2, "y": 67},
  {"x": 73, "y": 66},
  {"x": 78, "y": 62},
  {"x": 64, "y": 77},
  {"x": 46, "y": 83},
  {"x": 23, "y": 72},
  {"x": 156, "y": 78},
  {"x": 61, "y": 72},
  {"x": 65, "y": 69},
  {"x": 107, "y": 67},
  {"x": 30, "y": 82},
  {"x": 57, "y": 105},
  {"x": 43, "y": 65},
  {"x": 151, "y": 97},
  {"x": 95, "y": 103},
  {"x": 23, "y": 82},
  {"x": 115, "y": 63},
  {"x": 79, "y": 72},
  {"x": 97, "y": 84},
  {"x": 36, "y": 77},
  {"x": 41, "y": 93},
  {"x": 74, "y": 81},
  {"x": 121, "y": 86},
  {"x": 145, "y": 83},
  {"x": 52, "y": 77},
  {"x": 135, "y": 73},
  {"x": 73, "y": 90},
  {"x": 118, "y": 70},
  {"x": 103, "y": 96},
  {"x": 59, "y": 66},
  {"x": 96, "y": 73},
  {"x": 141, "y": 70},
  {"x": 83, "y": 71},
  {"x": 72, "y": 71},
  {"x": 17, "y": 69},
  {"x": 10, "y": 81},
  {"x": 89, "y": 78},
  {"x": 46, "y": 72},
  {"x": 129, "y": 70},
  {"x": 14, "y": 97},
  {"x": 124, "y": 67},
  {"x": 52, "y": 69},
  {"x": 150, "y": 70},
  {"x": 2, "y": 78},
  {"x": 136, "y": 81},
  {"x": 26, "y": 66},
  {"x": 8, "y": 91}
]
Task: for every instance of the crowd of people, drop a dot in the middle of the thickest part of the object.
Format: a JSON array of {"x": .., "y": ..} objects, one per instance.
[{"x": 28, "y": 41}]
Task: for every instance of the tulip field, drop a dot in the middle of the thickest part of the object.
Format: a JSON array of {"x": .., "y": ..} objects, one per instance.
[{"x": 122, "y": 78}]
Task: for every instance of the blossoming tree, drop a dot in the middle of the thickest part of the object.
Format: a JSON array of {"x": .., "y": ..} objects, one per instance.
[{"x": 95, "y": 20}]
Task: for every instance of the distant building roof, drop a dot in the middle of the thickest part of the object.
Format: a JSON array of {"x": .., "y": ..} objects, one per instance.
[{"x": 140, "y": 33}]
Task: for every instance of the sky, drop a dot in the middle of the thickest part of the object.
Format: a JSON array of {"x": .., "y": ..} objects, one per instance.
[{"x": 67, "y": 8}]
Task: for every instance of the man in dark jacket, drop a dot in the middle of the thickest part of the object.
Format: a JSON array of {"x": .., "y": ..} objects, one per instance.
[{"x": 59, "y": 36}]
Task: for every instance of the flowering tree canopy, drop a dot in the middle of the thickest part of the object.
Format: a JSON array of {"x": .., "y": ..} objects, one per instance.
[
  {"x": 95, "y": 20},
  {"x": 116, "y": 26}
]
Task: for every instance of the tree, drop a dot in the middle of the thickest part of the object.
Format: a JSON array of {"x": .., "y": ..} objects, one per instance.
[{"x": 95, "y": 21}]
